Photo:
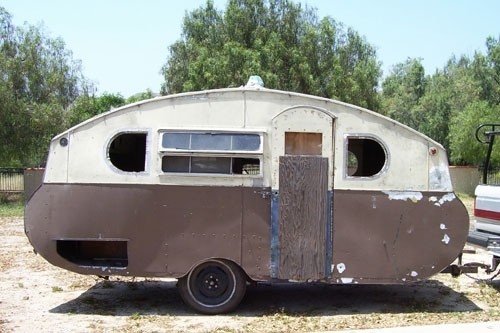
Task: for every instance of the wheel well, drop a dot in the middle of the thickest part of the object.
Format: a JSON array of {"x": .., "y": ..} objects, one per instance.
[{"x": 227, "y": 261}]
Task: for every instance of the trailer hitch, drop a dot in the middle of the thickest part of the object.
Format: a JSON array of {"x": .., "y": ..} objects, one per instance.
[{"x": 472, "y": 267}]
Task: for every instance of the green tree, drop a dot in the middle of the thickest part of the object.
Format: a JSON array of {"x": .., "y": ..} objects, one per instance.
[
  {"x": 87, "y": 106},
  {"x": 465, "y": 149},
  {"x": 39, "y": 80},
  {"x": 283, "y": 42},
  {"x": 451, "y": 103},
  {"x": 140, "y": 96},
  {"x": 402, "y": 90},
  {"x": 433, "y": 111}
]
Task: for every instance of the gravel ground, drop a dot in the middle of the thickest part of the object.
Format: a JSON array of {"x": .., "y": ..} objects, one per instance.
[{"x": 35, "y": 296}]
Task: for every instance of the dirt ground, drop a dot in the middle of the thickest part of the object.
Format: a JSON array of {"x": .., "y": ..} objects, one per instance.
[{"x": 37, "y": 297}]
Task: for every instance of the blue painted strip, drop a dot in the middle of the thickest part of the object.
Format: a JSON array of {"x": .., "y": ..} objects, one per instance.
[
  {"x": 275, "y": 242},
  {"x": 329, "y": 235}
]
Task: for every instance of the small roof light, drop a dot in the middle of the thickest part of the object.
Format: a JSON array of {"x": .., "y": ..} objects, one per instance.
[{"x": 255, "y": 81}]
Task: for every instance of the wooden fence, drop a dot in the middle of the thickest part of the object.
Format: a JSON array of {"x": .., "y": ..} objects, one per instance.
[{"x": 11, "y": 180}]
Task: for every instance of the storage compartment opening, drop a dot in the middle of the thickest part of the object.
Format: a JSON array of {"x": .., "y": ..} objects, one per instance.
[{"x": 99, "y": 253}]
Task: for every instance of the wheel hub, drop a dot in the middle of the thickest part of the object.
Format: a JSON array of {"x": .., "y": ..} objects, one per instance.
[{"x": 213, "y": 283}]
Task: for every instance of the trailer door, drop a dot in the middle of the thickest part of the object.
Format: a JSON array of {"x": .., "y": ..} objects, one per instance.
[{"x": 302, "y": 182}]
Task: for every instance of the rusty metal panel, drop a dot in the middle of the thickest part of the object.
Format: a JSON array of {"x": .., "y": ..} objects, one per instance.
[
  {"x": 395, "y": 237},
  {"x": 303, "y": 217}
]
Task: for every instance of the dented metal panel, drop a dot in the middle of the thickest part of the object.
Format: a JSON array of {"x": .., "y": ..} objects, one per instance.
[{"x": 388, "y": 237}]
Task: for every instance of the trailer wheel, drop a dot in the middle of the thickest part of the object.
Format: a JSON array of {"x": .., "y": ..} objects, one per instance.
[{"x": 213, "y": 287}]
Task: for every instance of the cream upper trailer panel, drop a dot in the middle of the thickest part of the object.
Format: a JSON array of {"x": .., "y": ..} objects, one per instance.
[{"x": 366, "y": 150}]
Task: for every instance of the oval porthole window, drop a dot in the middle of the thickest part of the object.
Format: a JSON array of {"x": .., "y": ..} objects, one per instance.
[
  {"x": 366, "y": 157},
  {"x": 127, "y": 152}
]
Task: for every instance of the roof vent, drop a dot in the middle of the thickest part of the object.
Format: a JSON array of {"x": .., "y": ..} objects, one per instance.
[{"x": 255, "y": 81}]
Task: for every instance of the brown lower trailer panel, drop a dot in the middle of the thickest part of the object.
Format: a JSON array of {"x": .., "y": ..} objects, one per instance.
[
  {"x": 168, "y": 228},
  {"x": 162, "y": 230},
  {"x": 395, "y": 237}
]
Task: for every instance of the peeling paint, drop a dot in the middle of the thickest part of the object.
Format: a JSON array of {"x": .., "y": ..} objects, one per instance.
[
  {"x": 442, "y": 226},
  {"x": 433, "y": 199},
  {"x": 341, "y": 267},
  {"x": 446, "y": 239},
  {"x": 439, "y": 178},
  {"x": 414, "y": 274},
  {"x": 346, "y": 280},
  {"x": 449, "y": 197},
  {"x": 404, "y": 195}
]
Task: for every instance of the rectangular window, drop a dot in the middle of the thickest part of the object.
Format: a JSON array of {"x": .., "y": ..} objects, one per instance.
[
  {"x": 299, "y": 143},
  {"x": 176, "y": 140},
  {"x": 212, "y": 164},
  {"x": 199, "y": 141},
  {"x": 176, "y": 164},
  {"x": 210, "y": 142},
  {"x": 211, "y": 153}
]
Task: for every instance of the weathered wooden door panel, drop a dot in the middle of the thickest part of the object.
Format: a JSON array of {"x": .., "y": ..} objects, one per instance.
[{"x": 302, "y": 217}]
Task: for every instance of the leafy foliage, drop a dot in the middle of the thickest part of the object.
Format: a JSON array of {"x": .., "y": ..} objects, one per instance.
[
  {"x": 465, "y": 149},
  {"x": 140, "y": 96},
  {"x": 284, "y": 43},
  {"x": 450, "y": 104},
  {"x": 42, "y": 92},
  {"x": 38, "y": 81},
  {"x": 86, "y": 106}
]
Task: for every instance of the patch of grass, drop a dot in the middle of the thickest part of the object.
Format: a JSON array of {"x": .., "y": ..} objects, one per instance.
[
  {"x": 468, "y": 201},
  {"x": 11, "y": 209},
  {"x": 136, "y": 316},
  {"x": 56, "y": 289}
]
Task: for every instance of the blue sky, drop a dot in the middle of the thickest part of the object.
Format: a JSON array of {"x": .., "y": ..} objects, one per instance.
[{"x": 123, "y": 44}]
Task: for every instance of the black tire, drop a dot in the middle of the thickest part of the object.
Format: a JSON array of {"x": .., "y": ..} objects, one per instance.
[{"x": 213, "y": 287}]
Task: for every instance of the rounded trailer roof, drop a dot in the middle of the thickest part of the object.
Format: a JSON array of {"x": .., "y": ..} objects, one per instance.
[{"x": 242, "y": 90}]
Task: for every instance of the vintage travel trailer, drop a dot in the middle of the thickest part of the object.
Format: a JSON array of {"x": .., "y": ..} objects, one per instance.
[{"x": 220, "y": 187}]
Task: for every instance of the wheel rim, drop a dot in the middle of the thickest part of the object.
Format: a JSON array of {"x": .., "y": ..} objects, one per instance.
[{"x": 211, "y": 284}]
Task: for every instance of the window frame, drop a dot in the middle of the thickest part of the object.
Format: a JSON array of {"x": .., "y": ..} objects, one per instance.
[
  {"x": 345, "y": 164},
  {"x": 210, "y": 151},
  {"x": 147, "y": 157},
  {"x": 257, "y": 154}
]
